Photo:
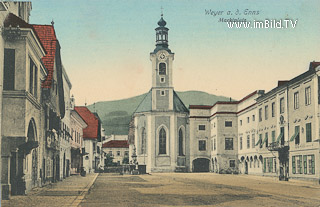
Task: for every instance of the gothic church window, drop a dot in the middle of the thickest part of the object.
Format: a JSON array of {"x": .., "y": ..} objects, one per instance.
[
  {"x": 162, "y": 69},
  {"x": 143, "y": 141},
  {"x": 162, "y": 141},
  {"x": 181, "y": 143}
]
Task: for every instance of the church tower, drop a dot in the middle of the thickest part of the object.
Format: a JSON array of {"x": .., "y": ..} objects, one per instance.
[
  {"x": 160, "y": 121},
  {"x": 162, "y": 58}
]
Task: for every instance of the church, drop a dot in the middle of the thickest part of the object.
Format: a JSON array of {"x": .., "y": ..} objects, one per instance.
[{"x": 161, "y": 119}]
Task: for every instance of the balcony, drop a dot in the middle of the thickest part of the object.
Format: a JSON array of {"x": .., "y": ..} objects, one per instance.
[{"x": 278, "y": 146}]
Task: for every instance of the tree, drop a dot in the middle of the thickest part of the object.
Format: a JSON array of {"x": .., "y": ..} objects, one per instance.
[
  {"x": 125, "y": 160},
  {"x": 109, "y": 160}
]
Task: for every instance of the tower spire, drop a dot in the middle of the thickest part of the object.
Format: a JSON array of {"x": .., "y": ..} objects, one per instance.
[{"x": 161, "y": 11}]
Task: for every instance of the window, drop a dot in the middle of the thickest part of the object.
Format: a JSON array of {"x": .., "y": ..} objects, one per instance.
[
  {"x": 162, "y": 69},
  {"x": 9, "y": 69},
  {"x": 308, "y": 132},
  {"x": 162, "y": 141},
  {"x": 248, "y": 142},
  {"x": 270, "y": 164},
  {"x": 281, "y": 105},
  {"x": 297, "y": 131},
  {"x": 214, "y": 144},
  {"x": 260, "y": 140},
  {"x": 299, "y": 164},
  {"x": 311, "y": 164},
  {"x": 232, "y": 163},
  {"x": 266, "y": 112},
  {"x": 162, "y": 80},
  {"x": 181, "y": 143},
  {"x": 253, "y": 117},
  {"x": 126, "y": 153},
  {"x": 118, "y": 153},
  {"x": 240, "y": 143},
  {"x": 229, "y": 144},
  {"x": 308, "y": 96},
  {"x": 33, "y": 76},
  {"x": 240, "y": 122},
  {"x": 305, "y": 164},
  {"x": 266, "y": 137},
  {"x": 253, "y": 141},
  {"x": 143, "y": 141},
  {"x": 202, "y": 127},
  {"x": 228, "y": 123},
  {"x": 273, "y": 135},
  {"x": 202, "y": 145},
  {"x": 94, "y": 147},
  {"x": 264, "y": 165},
  {"x": 260, "y": 114},
  {"x": 296, "y": 100},
  {"x": 163, "y": 93},
  {"x": 248, "y": 119},
  {"x": 110, "y": 153},
  {"x": 272, "y": 109}
]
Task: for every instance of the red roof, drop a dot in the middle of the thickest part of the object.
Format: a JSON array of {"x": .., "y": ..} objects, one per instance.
[
  {"x": 48, "y": 39},
  {"x": 91, "y": 132},
  {"x": 116, "y": 144}
]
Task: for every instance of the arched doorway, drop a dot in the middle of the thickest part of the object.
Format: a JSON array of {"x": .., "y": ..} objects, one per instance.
[
  {"x": 34, "y": 154},
  {"x": 201, "y": 165}
]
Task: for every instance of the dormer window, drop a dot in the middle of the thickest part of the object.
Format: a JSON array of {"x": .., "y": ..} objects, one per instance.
[{"x": 162, "y": 69}]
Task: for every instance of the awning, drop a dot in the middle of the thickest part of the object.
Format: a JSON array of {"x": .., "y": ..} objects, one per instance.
[
  {"x": 265, "y": 139},
  {"x": 294, "y": 136},
  {"x": 279, "y": 137},
  {"x": 260, "y": 139}
]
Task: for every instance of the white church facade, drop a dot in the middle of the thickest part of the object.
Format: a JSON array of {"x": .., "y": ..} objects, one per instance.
[{"x": 160, "y": 120}]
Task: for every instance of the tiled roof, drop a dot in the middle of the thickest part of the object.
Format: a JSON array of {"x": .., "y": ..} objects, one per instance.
[
  {"x": 116, "y": 144},
  {"x": 48, "y": 39},
  {"x": 146, "y": 104},
  {"x": 91, "y": 132}
]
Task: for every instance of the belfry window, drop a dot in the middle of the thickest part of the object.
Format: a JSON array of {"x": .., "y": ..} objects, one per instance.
[
  {"x": 162, "y": 141},
  {"x": 162, "y": 69}
]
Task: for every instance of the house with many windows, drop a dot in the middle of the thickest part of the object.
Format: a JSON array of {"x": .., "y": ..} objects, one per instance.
[
  {"x": 118, "y": 150},
  {"x": 250, "y": 161}
]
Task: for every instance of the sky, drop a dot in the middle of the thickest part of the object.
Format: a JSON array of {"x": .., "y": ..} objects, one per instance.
[{"x": 106, "y": 45}]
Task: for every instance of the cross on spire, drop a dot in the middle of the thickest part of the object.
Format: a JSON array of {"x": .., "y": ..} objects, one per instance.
[{"x": 161, "y": 11}]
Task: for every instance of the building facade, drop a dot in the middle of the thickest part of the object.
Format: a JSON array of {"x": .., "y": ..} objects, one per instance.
[
  {"x": 91, "y": 137},
  {"x": 118, "y": 150}
]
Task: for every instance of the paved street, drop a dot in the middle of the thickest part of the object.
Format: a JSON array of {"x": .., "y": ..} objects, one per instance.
[
  {"x": 68, "y": 192},
  {"x": 201, "y": 189}
]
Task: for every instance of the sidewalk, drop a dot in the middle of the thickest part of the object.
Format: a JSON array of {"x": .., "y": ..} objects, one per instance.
[{"x": 68, "y": 192}]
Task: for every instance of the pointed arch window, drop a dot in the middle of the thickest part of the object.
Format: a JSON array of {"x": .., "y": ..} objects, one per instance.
[
  {"x": 162, "y": 69},
  {"x": 181, "y": 143},
  {"x": 143, "y": 141},
  {"x": 162, "y": 141}
]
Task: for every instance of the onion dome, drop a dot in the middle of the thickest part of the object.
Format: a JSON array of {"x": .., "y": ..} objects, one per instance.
[{"x": 161, "y": 22}]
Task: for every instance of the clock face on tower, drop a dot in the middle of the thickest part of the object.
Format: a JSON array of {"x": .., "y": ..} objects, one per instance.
[{"x": 162, "y": 56}]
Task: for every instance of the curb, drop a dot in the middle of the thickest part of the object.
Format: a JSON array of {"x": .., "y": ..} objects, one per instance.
[{"x": 84, "y": 192}]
